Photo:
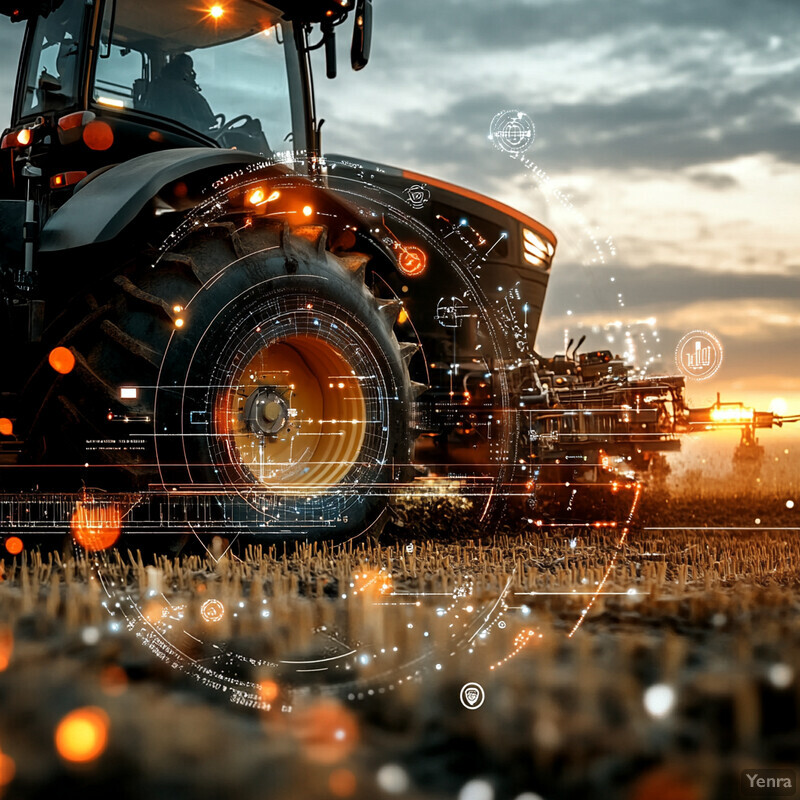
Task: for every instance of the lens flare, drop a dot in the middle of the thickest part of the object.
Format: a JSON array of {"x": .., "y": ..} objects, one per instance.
[
  {"x": 779, "y": 406},
  {"x": 732, "y": 415},
  {"x": 256, "y": 197}
]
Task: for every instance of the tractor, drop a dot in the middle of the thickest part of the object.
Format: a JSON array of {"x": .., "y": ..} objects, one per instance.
[{"x": 210, "y": 326}]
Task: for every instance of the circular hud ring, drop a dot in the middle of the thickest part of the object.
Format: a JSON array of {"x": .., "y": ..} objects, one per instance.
[{"x": 512, "y": 131}]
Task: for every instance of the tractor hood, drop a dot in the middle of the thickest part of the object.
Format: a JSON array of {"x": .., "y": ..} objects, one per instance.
[{"x": 434, "y": 193}]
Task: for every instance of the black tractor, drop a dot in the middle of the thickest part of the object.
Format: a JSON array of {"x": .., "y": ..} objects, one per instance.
[{"x": 208, "y": 325}]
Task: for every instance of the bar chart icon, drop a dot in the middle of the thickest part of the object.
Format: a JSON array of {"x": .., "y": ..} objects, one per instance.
[{"x": 698, "y": 355}]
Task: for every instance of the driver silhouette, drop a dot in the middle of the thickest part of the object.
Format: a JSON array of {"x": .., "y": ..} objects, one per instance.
[{"x": 176, "y": 95}]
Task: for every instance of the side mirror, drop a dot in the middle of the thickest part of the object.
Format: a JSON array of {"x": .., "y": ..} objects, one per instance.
[
  {"x": 330, "y": 49},
  {"x": 362, "y": 35}
]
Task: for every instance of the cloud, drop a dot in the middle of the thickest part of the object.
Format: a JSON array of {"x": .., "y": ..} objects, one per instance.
[
  {"x": 758, "y": 321},
  {"x": 508, "y": 24},
  {"x": 663, "y": 286},
  {"x": 610, "y": 85},
  {"x": 672, "y": 123},
  {"x": 714, "y": 180},
  {"x": 755, "y": 344}
]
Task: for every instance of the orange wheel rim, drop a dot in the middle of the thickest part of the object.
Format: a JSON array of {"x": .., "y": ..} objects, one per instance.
[{"x": 294, "y": 417}]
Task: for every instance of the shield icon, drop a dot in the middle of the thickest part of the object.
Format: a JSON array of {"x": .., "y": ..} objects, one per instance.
[{"x": 472, "y": 696}]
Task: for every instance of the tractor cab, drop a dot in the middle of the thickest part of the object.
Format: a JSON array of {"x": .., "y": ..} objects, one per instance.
[
  {"x": 151, "y": 75},
  {"x": 102, "y": 82},
  {"x": 224, "y": 75}
]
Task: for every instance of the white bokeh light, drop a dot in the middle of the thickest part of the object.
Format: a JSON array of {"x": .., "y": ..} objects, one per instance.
[
  {"x": 659, "y": 700},
  {"x": 476, "y": 790}
]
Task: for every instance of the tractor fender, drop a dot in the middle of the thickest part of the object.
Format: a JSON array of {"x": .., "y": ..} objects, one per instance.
[{"x": 106, "y": 205}]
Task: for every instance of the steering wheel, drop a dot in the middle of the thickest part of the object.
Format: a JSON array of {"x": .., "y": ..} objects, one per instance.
[
  {"x": 243, "y": 131},
  {"x": 226, "y": 126},
  {"x": 220, "y": 119}
]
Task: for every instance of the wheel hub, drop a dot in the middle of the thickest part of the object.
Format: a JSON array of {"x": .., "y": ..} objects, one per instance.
[
  {"x": 296, "y": 414},
  {"x": 266, "y": 411}
]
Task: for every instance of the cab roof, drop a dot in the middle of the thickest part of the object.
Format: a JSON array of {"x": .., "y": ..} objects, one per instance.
[{"x": 186, "y": 25}]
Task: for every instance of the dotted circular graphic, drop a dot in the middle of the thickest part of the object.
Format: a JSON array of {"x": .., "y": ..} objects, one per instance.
[
  {"x": 698, "y": 355},
  {"x": 417, "y": 196},
  {"x": 212, "y": 611},
  {"x": 512, "y": 131}
]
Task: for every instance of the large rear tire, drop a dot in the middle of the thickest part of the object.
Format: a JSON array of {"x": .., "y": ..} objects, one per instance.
[{"x": 268, "y": 380}]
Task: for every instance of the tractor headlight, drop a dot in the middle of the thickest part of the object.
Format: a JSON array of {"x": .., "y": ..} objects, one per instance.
[{"x": 536, "y": 251}]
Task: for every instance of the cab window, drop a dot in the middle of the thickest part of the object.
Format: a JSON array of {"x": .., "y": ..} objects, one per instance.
[
  {"x": 54, "y": 69},
  {"x": 225, "y": 77}
]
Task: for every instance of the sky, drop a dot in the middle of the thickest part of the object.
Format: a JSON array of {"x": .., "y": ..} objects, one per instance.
[{"x": 673, "y": 128}]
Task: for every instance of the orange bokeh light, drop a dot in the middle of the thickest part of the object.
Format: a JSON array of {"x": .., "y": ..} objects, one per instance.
[
  {"x": 6, "y": 647},
  {"x": 327, "y": 731},
  {"x": 6, "y": 426},
  {"x": 268, "y": 691},
  {"x": 153, "y": 611},
  {"x": 95, "y": 527},
  {"x": 97, "y": 135},
  {"x": 61, "y": 360},
  {"x": 14, "y": 545},
  {"x": 342, "y": 783},
  {"x": 372, "y": 584},
  {"x": 113, "y": 680},
  {"x": 7, "y": 769},
  {"x": 666, "y": 783},
  {"x": 82, "y": 735},
  {"x": 256, "y": 197}
]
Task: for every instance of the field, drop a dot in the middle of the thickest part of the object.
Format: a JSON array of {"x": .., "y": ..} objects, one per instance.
[{"x": 654, "y": 665}]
